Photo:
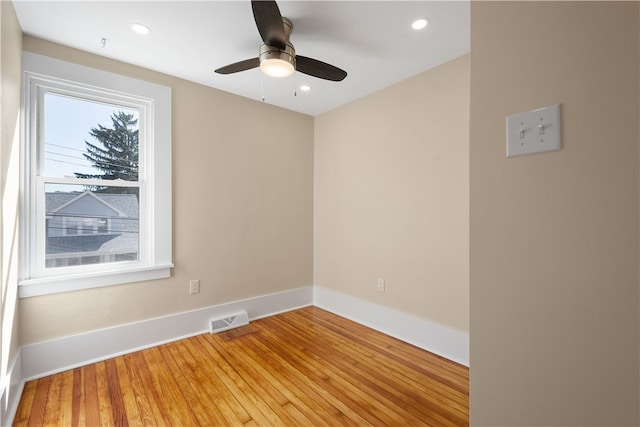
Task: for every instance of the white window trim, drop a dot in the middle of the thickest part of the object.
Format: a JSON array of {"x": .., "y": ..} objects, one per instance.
[{"x": 37, "y": 70}]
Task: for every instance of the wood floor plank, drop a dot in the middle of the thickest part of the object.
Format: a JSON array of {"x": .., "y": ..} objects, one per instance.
[
  {"x": 213, "y": 385},
  {"x": 440, "y": 390},
  {"x": 40, "y": 402},
  {"x": 148, "y": 399},
  {"x": 253, "y": 403},
  {"x": 118, "y": 412},
  {"x": 409, "y": 405},
  {"x": 169, "y": 393},
  {"x": 24, "y": 410},
  {"x": 306, "y": 367},
  {"x": 254, "y": 378},
  {"x": 439, "y": 368},
  {"x": 423, "y": 403},
  {"x": 324, "y": 401},
  {"x": 53, "y": 401},
  {"x": 357, "y": 393},
  {"x": 139, "y": 397},
  {"x": 221, "y": 406},
  {"x": 129, "y": 391},
  {"x": 66, "y": 399},
  {"x": 205, "y": 414},
  {"x": 243, "y": 364},
  {"x": 354, "y": 398},
  {"x": 105, "y": 413},
  {"x": 90, "y": 392},
  {"x": 289, "y": 390}
]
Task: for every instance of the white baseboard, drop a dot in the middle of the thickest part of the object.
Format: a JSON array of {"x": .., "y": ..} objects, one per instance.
[
  {"x": 49, "y": 357},
  {"x": 11, "y": 390},
  {"x": 439, "y": 339}
]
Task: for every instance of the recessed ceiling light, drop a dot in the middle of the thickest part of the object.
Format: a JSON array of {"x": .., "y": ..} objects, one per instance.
[
  {"x": 140, "y": 29},
  {"x": 419, "y": 24},
  {"x": 305, "y": 88}
]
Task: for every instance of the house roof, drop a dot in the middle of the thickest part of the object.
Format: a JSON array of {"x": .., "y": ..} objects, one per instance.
[
  {"x": 127, "y": 204},
  {"x": 92, "y": 195}
]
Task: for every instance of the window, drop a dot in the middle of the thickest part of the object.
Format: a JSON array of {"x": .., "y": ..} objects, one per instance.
[
  {"x": 102, "y": 225},
  {"x": 94, "y": 210}
]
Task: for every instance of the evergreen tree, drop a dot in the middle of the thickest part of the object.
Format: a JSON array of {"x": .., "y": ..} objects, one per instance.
[{"x": 118, "y": 156}]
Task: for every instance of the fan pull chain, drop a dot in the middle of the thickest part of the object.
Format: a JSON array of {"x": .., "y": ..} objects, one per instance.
[
  {"x": 262, "y": 86},
  {"x": 295, "y": 84}
]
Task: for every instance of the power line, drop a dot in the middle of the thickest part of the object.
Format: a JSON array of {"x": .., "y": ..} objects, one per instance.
[
  {"x": 130, "y": 168},
  {"x": 69, "y": 163},
  {"x": 66, "y": 155},
  {"x": 65, "y": 147},
  {"x": 83, "y": 216}
]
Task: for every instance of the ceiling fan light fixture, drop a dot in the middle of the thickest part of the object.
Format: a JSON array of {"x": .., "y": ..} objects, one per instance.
[
  {"x": 276, "y": 67},
  {"x": 277, "y": 63}
]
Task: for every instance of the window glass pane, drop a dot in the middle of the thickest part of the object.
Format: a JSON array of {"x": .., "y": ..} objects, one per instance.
[
  {"x": 103, "y": 225},
  {"x": 84, "y": 139},
  {"x": 86, "y": 226}
]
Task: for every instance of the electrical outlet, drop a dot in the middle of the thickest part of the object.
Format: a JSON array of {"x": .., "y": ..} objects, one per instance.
[
  {"x": 194, "y": 286},
  {"x": 380, "y": 285}
]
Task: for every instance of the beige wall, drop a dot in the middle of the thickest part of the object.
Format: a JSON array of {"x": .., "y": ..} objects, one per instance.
[
  {"x": 392, "y": 196},
  {"x": 10, "y": 69},
  {"x": 554, "y": 237},
  {"x": 242, "y": 209}
]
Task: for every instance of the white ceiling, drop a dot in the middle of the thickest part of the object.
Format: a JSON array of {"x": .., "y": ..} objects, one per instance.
[{"x": 372, "y": 40}]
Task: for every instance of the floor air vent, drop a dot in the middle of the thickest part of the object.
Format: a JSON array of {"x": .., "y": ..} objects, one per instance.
[{"x": 229, "y": 322}]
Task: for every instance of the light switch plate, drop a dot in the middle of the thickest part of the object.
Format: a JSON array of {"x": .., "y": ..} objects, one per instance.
[{"x": 535, "y": 131}]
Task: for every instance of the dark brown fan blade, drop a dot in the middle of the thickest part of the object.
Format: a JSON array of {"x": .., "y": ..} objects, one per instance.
[
  {"x": 236, "y": 67},
  {"x": 269, "y": 22},
  {"x": 319, "y": 69}
]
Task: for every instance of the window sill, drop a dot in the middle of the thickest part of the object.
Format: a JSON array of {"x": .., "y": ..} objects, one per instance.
[{"x": 76, "y": 282}]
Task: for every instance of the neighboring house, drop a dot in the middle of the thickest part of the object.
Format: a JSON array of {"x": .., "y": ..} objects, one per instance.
[{"x": 90, "y": 228}]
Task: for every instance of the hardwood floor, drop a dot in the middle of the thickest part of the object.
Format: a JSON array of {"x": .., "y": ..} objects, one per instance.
[{"x": 306, "y": 367}]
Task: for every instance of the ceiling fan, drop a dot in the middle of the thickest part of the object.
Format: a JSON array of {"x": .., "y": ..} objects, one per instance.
[{"x": 277, "y": 56}]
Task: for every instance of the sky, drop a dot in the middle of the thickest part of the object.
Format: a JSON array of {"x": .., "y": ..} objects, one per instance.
[{"x": 68, "y": 122}]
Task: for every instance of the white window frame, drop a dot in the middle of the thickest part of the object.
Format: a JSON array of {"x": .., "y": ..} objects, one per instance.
[{"x": 43, "y": 74}]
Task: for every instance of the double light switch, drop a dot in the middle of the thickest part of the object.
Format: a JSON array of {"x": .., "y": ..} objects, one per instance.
[{"x": 535, "y": 131}]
